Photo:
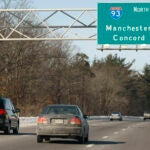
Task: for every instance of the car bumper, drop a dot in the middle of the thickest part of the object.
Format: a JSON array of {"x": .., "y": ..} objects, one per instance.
[
  {"x": 115, "y": 118},
  {"x": 147, "y": 116},
  {"x": 3, "y": 125},
  {"x": 59, "y": 131}
]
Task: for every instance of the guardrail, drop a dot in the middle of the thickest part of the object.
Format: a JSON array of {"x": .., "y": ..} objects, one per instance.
[{"x": 31, "y": 121}]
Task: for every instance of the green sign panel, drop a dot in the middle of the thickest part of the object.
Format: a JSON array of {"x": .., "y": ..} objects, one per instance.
[{"x": 123, "y": 23}]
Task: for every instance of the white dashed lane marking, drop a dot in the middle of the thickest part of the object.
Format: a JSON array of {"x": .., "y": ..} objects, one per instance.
[
  {"x": 116, "y": 132},
  {"x": 124, "y": 129},
  {"x": 105, "y": 137},
  {"x": 90, "y": 145}
]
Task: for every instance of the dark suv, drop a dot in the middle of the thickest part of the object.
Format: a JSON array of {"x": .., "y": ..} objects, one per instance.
[{"x": 9, "y": 119}]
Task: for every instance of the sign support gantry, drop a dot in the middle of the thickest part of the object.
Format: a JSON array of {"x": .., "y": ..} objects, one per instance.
[
  {"x": 54, "y": 24},
  {"x": 48, "y": 24}
]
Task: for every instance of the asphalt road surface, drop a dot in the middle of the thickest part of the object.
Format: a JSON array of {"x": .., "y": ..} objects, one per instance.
[{"x": 104, "y": 135}]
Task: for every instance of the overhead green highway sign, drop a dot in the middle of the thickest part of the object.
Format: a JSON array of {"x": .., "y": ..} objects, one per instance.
[{"x": 123, "y": 23}]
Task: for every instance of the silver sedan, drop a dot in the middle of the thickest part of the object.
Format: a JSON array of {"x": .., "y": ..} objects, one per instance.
[
  {"x": 115, "y": 116},
  {"x": 62, "y": 121}
]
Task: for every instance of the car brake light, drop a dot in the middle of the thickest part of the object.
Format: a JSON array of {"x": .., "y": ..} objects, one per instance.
[
  {"x": 3, "y": 112},
  {"x": 42, "y": 120},
  {"x": 75, "y": 120}
]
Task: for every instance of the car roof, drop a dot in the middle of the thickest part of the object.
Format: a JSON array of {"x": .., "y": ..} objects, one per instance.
[
  {"x": 3, "y": 98},
  {"x": 116, "y": 112},
  {"x": 2, "y": 102}
]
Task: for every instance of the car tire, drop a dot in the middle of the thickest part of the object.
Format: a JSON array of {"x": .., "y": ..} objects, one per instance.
[
  {"x": 87, "y": 138},
  {"x": 7, "y": 130},
  {"x": 47, "y": 139},
  {"x": 82, "y": 139},
  {"x": 39, "y": 139},
  {"x": 16, "y": 130}
]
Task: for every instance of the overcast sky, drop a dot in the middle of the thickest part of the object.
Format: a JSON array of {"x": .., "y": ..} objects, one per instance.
[{"x": 90, "y": 47}]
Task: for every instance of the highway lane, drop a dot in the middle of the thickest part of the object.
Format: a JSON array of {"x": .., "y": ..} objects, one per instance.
[
  {"x": 104, "y": 135},
  {"x": 135, "y": 137}
]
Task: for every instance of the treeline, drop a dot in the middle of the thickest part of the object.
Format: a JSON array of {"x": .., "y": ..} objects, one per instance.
[{"x": 35, "y": 74}]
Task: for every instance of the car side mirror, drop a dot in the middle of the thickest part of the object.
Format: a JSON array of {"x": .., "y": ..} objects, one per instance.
[
  {"x": 17, "y": 110},
  {"x": 85, "y": 116}
]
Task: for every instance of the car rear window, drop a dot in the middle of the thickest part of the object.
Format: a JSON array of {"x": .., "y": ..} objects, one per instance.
[
  {"x": 115, "y": 113},
  {"x": 1, "y": 104},
  {"x": 66, "y": 110}
]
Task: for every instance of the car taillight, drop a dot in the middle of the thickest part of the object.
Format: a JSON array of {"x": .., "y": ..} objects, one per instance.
[
  {"x": 42, "y": 120},
  {"x": 75, "y": 120},
  {"x": 3, "y": 112}
]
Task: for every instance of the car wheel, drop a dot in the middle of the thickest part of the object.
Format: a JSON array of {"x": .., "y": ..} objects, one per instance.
[
  {"x": 144, "y": 119},
  {"x": 39, "y": 139},
  {"x": 16, "y": 130},
  {"x": 87, "y": 138},
  {"x": 47, "y": 139},
  {"x": 82, "y": 139},
  {"x": 7, "y": 130}
]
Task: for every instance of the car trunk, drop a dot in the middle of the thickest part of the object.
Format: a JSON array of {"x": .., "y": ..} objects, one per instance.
[{"x": 60, "y": 119}]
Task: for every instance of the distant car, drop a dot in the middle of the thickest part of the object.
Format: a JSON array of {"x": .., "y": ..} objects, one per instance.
[
  {"x": 115, "y": 116},
  {"x": 9, "y": 119},
  {"x": 146, "y": 115},
  {"x": 62, "y": 121}
]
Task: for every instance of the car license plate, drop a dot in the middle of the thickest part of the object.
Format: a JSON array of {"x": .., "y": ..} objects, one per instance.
[{"x": 58, "y": 121}]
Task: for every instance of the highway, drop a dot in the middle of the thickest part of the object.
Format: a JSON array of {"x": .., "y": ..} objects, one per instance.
[{"x": 104, "y": 135}]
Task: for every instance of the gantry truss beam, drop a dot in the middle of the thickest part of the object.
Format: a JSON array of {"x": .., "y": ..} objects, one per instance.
[
  {"x": 124, "y": 47},
  {"x": 48, "y": 24}
]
